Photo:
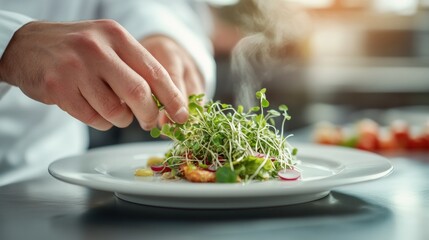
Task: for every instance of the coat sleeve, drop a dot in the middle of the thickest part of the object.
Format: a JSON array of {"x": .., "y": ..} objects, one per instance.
[
  {"x": 178, "y": 20},
  {"x": 9, "y": 23}
]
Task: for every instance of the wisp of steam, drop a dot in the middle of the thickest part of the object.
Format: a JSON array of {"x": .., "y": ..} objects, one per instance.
[{"x": 269, "y": 26}]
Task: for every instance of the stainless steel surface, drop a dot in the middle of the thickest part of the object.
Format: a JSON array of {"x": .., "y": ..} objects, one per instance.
[{"x": 395, "y": 207}]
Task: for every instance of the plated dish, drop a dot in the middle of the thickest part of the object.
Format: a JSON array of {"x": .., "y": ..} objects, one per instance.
[
  {"x": 323, "y": 168},
  {"x": 223, "y": 144}
]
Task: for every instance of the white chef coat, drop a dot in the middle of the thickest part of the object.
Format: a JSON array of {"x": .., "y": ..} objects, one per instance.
[{"x": 32, "y": 134}]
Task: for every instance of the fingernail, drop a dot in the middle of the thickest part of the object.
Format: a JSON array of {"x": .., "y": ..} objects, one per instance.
[{"x": 182, "y": 115}]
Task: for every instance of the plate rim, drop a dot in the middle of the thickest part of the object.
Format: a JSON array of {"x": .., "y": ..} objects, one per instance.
[{"x": 102, "y": 182}]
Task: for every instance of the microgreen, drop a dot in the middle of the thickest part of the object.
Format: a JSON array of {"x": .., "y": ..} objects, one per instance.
[
  {"x": 225, "y": 175},
  {"x": 249, "y": 143}
]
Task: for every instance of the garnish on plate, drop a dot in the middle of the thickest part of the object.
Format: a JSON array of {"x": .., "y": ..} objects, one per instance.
[{"x": 220, "y": 143}]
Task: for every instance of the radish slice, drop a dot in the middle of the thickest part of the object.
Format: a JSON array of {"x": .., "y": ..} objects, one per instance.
[
  {"x": 289, "y": 174},
  {"x": 160, "y": 168},
  {"x": 157, "y": 168}
]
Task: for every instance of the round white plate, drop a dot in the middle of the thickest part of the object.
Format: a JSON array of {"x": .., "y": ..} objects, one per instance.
[{"x": 112, "y": 169}]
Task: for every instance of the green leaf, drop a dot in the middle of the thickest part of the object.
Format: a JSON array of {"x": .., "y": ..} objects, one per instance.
[
  {"x": 240, "y": 109},
  {"x": 265, "y": 103},
  {"x": 263, "y": 90},
  {"x": 295, "y": 151},
  {"x": 283, "y": 108},
  {"x": 225, "y": 175},
  {"x": 286, "y": 115},
  {"x": 196, "y": 147},
  {"x": 224, "y": 105},
  {"x": 181, "y": 137},
  {"x": 194, "y": 108},
  {"x": 200, "y": 97},
  {"x": 155, "y": 132},
  {"x": 254, "y": 109},
  {"x": 273, "y": 112},
  {"x": 258, "y": 95},
  {"x": 196, "y": 98},
  {"x": 166, "y": 130},
  {"x": 260, "y": 119},
  {"x": 218, "y": 139}
]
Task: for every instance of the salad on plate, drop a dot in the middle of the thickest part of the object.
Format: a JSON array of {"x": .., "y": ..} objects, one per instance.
[{"x": 220, "y": 143}]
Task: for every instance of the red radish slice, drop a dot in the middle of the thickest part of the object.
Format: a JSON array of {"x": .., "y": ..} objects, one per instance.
[
  {"x": 289, "y": 174},
  {"x": 261, "y": 155},
  {"x": 160, "y": 168},
  {"x": 157, "y": 168}
]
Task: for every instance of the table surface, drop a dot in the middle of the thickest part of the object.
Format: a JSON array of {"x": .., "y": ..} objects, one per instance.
[{"x": 394, "y": 207}]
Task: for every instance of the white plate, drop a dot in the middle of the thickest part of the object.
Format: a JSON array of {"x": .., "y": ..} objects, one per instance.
[{"x": 112, "y": 169}]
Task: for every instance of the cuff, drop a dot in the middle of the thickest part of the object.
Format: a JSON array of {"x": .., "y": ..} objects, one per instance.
[{"x": 9, "y": 23}]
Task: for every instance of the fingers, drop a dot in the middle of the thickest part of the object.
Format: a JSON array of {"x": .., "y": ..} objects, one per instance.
[
  {"x": 194, "y": 80},
  {"x": 157, "y": 79},
  {"x": 175, "y": 68},
  {"x": 101, "y": 97},
  {"x": 77, "y": 106},
  {"x": 133, "y": 90}
]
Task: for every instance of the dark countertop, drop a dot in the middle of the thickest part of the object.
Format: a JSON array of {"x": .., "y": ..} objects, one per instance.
[{"x": 394, "y": 207}]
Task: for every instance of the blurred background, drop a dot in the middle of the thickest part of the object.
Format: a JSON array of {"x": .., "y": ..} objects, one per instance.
[{"x": 352, "y": 56}]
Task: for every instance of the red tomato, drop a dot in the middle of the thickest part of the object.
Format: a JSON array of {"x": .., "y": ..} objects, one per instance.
[
  {"x": 368, "y": 133},
  {"x": 368, "y": 142},
  {"x": 425, "y": 142},
  {"x": 426, "y": 136},
  {"x": 417, "y": 143},
  {"x": 400, "y": 131},
  {"x": 387, "y": 143}
]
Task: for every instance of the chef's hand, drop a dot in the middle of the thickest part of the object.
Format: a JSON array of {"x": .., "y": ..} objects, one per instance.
[
  {"x": 94, "y": 70},
  {"x": 178, "y": 63}
]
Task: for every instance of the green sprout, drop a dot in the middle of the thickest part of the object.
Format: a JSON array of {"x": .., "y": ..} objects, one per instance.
[{"x": 218, "y": 135}]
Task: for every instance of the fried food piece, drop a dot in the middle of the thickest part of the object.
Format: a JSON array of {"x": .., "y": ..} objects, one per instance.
[{"x": 196, "y": 174}]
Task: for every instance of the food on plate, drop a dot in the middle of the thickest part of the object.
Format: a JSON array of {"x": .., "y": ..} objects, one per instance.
[
  {"x": 368, "y": 135},
  {"x": 220, "y": 143},
  {"x": 143, "y": 172}
]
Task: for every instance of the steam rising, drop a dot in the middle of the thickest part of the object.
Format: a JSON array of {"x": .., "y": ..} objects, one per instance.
[{"x": 269, "y": 27}]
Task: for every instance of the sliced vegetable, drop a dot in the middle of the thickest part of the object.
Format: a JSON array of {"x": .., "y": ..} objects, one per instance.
[
  {"x": 289, "y": 174},
  {"x": 160, "y": 168}
]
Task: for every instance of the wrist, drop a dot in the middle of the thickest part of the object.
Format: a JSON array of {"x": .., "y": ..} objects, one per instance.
[{"x": 8, "y": 58}]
